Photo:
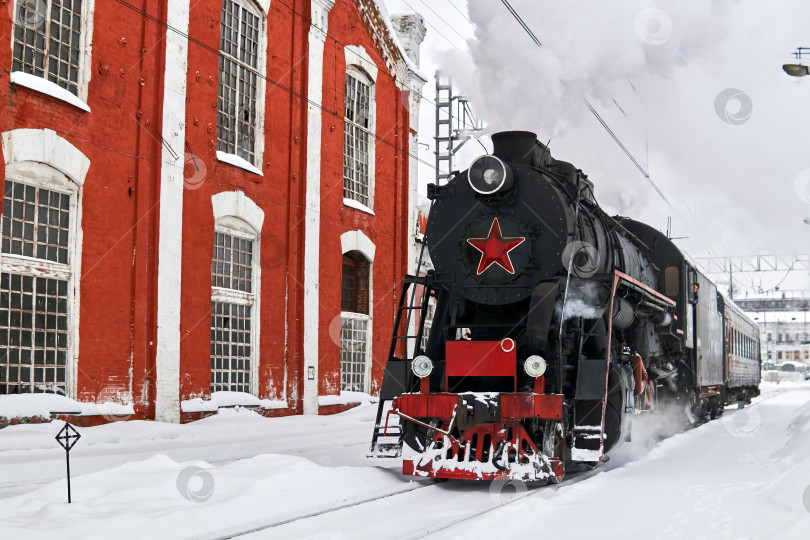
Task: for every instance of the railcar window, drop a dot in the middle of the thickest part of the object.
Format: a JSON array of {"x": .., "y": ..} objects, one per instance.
[{"x": 672, "y": 281}]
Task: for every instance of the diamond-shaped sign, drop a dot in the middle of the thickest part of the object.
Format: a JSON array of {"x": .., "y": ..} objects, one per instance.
[{"x": 68, "y": 436}]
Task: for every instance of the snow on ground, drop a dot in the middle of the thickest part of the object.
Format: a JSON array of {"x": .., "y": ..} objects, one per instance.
[{"x": 743, "y": 476}]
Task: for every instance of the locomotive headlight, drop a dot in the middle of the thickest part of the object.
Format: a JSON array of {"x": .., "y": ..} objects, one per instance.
[
  {"x": 488, "y": 175},
  {"x": 422, "y": 366},
  {"x": 534, "y": 366}
]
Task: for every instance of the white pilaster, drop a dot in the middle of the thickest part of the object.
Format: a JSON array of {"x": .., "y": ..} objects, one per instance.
[
  {"x": 170, "y": 232},
  {"x": 312, "y": 216},
  {"x": 410, "y": 30}
]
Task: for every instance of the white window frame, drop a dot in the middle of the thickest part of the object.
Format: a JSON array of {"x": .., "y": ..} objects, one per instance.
[
  {"x": 237, "y": 215},
  {"x": 255, "y": 167},
  {"x": 356, "y": 241},
  {"x": 42, "y": 84},
  {"x": 42, "y": 176},
  {"x": 361, "y": 66},
  {"x": 350, "y": 315},
  {"x": 41, "y": 158}
]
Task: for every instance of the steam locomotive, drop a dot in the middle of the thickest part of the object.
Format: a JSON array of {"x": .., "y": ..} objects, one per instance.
[{"x": 554, "y": 325}]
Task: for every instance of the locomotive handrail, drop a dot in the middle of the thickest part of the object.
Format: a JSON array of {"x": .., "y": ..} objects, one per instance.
[
  {"x": 423, "y": 424},
  {"x": 645, "y": 288}
]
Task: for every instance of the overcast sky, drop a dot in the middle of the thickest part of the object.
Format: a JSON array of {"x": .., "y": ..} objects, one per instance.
[{"x": 694, "y": 90}]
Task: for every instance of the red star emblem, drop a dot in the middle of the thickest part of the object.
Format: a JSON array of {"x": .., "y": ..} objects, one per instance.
[{"x": 495, "y": 248}]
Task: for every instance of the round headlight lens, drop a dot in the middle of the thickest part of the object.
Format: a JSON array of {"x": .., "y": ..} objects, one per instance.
[
  {"x": 422, "y": 366},
  {"x": 534, "y": 366},
  {"x": 488, "y": 175}
]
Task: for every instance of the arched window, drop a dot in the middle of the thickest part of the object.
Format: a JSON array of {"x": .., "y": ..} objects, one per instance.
[
  {"x": 40, "y": 260},
  {"x": 359, "y": 129},
  {"x": 235, "y": 286},
  {"x": 240, "y": 95},
  {"x": 51, "y": 41}
]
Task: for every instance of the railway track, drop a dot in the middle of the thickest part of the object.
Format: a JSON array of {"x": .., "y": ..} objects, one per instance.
[
  {"x": 569, "y": 479},
  {"x": 258, "y": 526}
]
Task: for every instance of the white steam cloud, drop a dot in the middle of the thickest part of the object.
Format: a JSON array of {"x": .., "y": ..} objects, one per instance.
[
  {"x": 654, "y": 71},
  {"x": 582, "y": 301}
]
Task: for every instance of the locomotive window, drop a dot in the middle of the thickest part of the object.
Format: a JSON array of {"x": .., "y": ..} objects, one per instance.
[{"x": 672, "y": 281}]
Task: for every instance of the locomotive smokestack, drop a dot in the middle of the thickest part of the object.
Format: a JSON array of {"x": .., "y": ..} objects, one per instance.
[{"x": 520, "y": 147}]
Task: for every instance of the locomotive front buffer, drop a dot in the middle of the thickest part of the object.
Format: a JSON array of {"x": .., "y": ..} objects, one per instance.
[{"x": 472, "y": 435}]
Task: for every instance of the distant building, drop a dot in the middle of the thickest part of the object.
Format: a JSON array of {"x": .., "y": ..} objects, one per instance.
[
  {"x": 785, "y": 341},
  {"x": 204, "y": 196}
]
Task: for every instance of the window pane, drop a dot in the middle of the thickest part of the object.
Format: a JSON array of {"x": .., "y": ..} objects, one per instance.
[
  {"x": 230, "y": 360},
  {"x": 353, "y": 346},
  {"x": 46, "y": 40},
  {"x": 35, "y": 222},
  {"x": 33, "y": 336},
  {"x": 231, "y": 266},
  {"x": 356, "y": 140},
  {"x": 240, "y": 29}
]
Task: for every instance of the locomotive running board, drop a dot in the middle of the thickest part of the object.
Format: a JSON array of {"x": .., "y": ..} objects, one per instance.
[{"x": 589, "y": 427}]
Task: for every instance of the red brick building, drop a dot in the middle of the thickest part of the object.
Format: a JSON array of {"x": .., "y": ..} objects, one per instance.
[{"x": 203, "y": 196}]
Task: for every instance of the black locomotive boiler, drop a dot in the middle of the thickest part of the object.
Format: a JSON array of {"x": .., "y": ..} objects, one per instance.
[{"x": 553, "y": 325}]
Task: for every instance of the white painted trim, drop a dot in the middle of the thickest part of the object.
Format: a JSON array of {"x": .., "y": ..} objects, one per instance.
[
  {"x": 44, "y": 86},
  {"x": 170, "y": 232},
  {"x": 357, "y": 55},
  {"x": 85, "y": 50},
  {"x": 357, "y": 241},
  {"x": 237, "y": 204},
  {"x": 351, "y": 203},
  {"x": 236, "y": 161},
  {"x": 45, "y": 146},
  {"x": 40, "y": 158},
  {"x": 312, "y": 206}
]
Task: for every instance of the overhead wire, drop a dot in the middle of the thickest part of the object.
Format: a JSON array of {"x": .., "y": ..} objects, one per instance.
[
  {"x": 522, "y": 23},
  {"x": 593, "y": 111},
  {"x": 338, "y": 42},
  {"x": 440, "y": 18},
  {"x": 264, "y": 77},
  {"x": 625, "y": 150},
  {"x": 459, "y": 11}
]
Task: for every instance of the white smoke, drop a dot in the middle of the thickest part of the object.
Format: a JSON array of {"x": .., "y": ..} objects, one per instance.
[
  {"x": 655, "y": 79},
  {"x": 582, "y": 301}
]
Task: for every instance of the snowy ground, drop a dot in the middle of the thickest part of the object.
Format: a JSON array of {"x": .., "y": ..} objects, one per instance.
[{"x": 743, "y": 476}]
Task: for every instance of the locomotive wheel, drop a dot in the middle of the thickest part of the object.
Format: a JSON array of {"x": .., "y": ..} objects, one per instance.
[{"x": 554, "y": 446}]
